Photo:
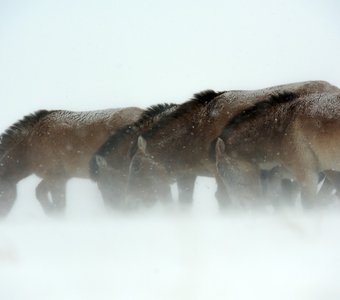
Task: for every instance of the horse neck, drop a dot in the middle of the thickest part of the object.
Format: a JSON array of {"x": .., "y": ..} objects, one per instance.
[
  {"x": 184, "y": 139},
  {"x": 227, "y": 108},
  {"x": 119, "y": 158},
  {"x": 263, "y": 132}
]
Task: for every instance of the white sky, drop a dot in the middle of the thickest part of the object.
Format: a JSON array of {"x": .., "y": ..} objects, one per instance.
[{"x": 82, "y": 55}]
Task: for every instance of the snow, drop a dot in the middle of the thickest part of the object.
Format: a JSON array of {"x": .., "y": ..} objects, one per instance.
[
  {"x": 88, "y": 55},
  {"x": 167, "y": 253}
]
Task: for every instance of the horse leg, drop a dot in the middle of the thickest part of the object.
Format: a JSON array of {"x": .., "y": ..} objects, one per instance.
[
  {"x": 289, "y": 191},
  {"x": 57, "y": 190},
  {"x": 270, "y": 181},
  {"x": 279, "y": 189},
  {"x": 309, "y": 189},
  {"x": 308, "y": 181},
  {"x": 8, "y": 194},
  {"x": 303, "y": 164},
  {"x": 164, "y": 195},
  {"x": 326, "y": 190},
  {"x": 221, "y": 194},
  {"x": 334, "y": 178},
  {"x": 42, "y": 194},
  {"x": 186, "y": 184}
]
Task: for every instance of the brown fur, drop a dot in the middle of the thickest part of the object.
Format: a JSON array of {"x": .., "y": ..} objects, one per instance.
[
  {"x": 109, "y": 166},
  {"x": 56, "y": 146},
  {"x": 302, "y": 135},
  {"x": 182, "y": 144}
]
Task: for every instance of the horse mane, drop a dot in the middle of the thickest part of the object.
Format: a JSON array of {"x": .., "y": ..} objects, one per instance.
[
  {"x": 198, "y": 100},
  {"x": 252, "y": 112},
  {"x": 19, "y": 130},
  {"x": 154, "y": 110},
  {"x": 257, "y": 109},
  {"x": 148, "y": 117}
]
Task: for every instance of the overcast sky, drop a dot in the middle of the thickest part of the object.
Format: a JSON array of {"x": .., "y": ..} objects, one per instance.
[{"x": 82, "y": 55}]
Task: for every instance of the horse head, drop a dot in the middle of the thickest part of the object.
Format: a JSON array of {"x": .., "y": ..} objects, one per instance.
[
  {"x": 148, "y": 180},
  {"x": 240, "y": 177},
  {"x": 111, "y": 182}
]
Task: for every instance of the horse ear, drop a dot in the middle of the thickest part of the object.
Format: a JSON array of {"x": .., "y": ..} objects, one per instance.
[
  {"x": 142, "y": 144},
  {"x": 101, "y": 161},
  {"x": 220, "y": 147}
]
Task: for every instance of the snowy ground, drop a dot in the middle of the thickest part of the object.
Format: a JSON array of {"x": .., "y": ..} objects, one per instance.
[{"x": 166, "y": 254}]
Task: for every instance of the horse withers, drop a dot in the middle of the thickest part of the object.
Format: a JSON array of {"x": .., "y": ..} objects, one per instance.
[{"x": 56, "y": 146}]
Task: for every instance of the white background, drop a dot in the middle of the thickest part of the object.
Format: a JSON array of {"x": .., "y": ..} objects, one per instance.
[{"x": 83, "y": 55}]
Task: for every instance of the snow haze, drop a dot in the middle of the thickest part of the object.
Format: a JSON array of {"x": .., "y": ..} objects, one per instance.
[{"x": 89, "y": 55}]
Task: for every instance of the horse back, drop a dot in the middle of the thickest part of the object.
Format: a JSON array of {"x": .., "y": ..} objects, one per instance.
[{"x": 64, "y": 141}]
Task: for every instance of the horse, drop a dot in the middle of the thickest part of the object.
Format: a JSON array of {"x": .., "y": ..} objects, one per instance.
[
  {"x": 299, "y": 133},
  {"x": 55, "y": 145},
  {"x": 184, "y": 140},
  {"x": 109, "y": 165}
]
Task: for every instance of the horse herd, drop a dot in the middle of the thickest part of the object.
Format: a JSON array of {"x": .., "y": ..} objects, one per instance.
[{"x": 259, "y": 145}]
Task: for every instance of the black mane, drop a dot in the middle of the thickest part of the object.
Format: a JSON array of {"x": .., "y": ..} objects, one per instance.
[
  {"x": 257, "y": 109},
  {"x": 19, "y": 129},
  {"x": 147, "y": 117},
  {"x": 198, "y": 100},
  {"x": 252, "y": 112},
  {"x": 155, "y": 110}
]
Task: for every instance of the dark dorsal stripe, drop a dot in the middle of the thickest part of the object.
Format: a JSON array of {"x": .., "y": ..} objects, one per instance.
[
  {"x": 256, "y": 110},
  {"x": 148, "y": 117},
  {"x": 250, "y": 113},
  {"x": 20, "y": 129}
]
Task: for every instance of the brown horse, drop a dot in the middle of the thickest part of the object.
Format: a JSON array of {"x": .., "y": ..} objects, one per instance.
[
  {"x": 184, "y": 140},
  {"x": 54, "y": 145},
  {"x": 300, "y": 133},
  {"x": 109, "y": 166}
]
